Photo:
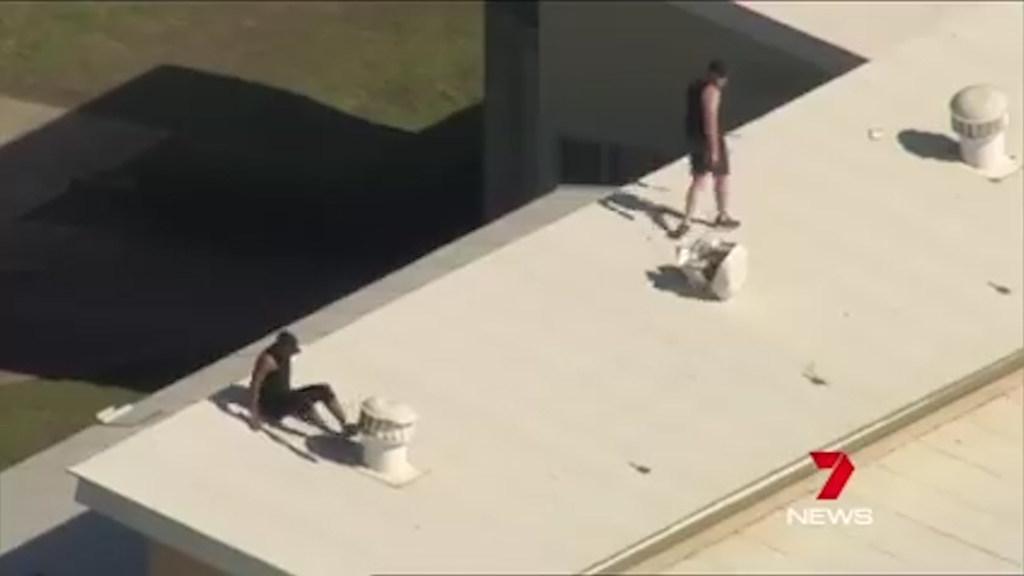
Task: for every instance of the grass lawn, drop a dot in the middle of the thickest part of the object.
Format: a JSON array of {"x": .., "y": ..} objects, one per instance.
[
  {"x": 35, "y": 414},
  {"x": 404, "y": 64}
]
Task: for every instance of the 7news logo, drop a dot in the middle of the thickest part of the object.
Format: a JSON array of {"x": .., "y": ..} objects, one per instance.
[{"x": 842, "y": 469}]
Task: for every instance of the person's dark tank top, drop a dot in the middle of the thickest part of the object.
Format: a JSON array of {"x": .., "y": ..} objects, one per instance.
[
  {"x": 278, "y": 382},
  {"x": 695, "y": 129}
]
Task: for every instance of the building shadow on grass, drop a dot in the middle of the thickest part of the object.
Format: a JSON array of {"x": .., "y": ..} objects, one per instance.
[
  {"x": 183, "y": 215},
  {"x": 929, "y": 145}
]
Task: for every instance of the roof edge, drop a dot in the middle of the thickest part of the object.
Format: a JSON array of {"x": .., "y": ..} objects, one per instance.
[
  {"x": 788, "y": 475},
  {"x": 168, "y": 531}
]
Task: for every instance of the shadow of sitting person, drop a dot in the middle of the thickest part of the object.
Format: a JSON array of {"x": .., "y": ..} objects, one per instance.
[
  {"x": 671, "y": 279},
  {"x": 234, "y": 401},
  {"x": 929, "y": 145},
  {"x": 336, "y": 449}
]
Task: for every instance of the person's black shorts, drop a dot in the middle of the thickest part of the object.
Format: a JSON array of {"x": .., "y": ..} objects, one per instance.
[
  {"x": 295, "y": 402},
  {"x": 700, "y": 160}
]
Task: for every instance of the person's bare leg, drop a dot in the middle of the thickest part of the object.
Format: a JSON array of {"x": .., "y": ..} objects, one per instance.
[
  {"x": 311, "y": 416},
  {"x": 722, "y": 194},
  {"x": 691, "y": 200},
  {"x": 722, "y": 200},
  {"x": 691, "y": 195},
  {"x": 334, "y": 407}
]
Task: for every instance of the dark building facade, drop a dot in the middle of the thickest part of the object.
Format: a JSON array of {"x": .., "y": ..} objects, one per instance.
[{"x": 593, "y": 92}]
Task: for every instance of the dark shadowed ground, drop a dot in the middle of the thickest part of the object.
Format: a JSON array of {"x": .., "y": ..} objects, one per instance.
[
  {"x": 223, "y": 169},
  {"x": 256, "y": 207}
]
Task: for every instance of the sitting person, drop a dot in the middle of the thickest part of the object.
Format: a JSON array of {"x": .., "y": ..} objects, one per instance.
[{"x": 273, "y": 397}]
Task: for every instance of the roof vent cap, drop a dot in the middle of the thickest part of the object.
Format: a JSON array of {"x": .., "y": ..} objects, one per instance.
[
  {"x": 980, "y": 117},
  {"x": 385, "y": 428},
  {"x": 979, "y": 111}
]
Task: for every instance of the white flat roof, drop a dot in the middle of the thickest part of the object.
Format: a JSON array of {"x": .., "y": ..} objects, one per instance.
[{"x": 542, "y": 371}]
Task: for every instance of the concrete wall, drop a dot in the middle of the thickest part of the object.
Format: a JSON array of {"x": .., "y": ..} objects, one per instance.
[
  {"x": 594, "y": 92},
  {"x": 165, "y": 561},
  {"x": 618, "y": 71},
  {"x": 513, "y": 125}
]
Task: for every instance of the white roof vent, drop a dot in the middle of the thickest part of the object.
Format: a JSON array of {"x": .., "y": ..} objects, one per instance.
[
  {"x": 980, "y": 117},
  {"x": 385, "y": 429},
  {"x": 714, "y": 265}
]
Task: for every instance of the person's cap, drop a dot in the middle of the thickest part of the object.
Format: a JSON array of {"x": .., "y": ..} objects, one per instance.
[
  {"x": 718, "y": 68},
  {"x": 288, "y": 342}
]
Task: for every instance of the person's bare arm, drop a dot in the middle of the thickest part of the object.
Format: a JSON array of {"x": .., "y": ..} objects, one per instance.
[
  {"x": 265, "y": 364},
  {"x": 710, "y": 100}
]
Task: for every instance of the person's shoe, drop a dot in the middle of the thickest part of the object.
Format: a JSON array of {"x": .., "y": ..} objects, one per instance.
[
  {"x": 680, "y": 231},
  {"x": 349, "y": 430},
  {"x": 724, "y": 221}
]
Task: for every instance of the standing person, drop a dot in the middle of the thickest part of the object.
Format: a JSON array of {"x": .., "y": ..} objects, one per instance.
[
  {"x": 272, "y": 396},
  {"x": 709, "y": 155}
]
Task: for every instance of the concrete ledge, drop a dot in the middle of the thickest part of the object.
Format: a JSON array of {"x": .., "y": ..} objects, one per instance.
[
  {"x": 171, "y": 533},
  {"x": 795, "y": 472}
]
